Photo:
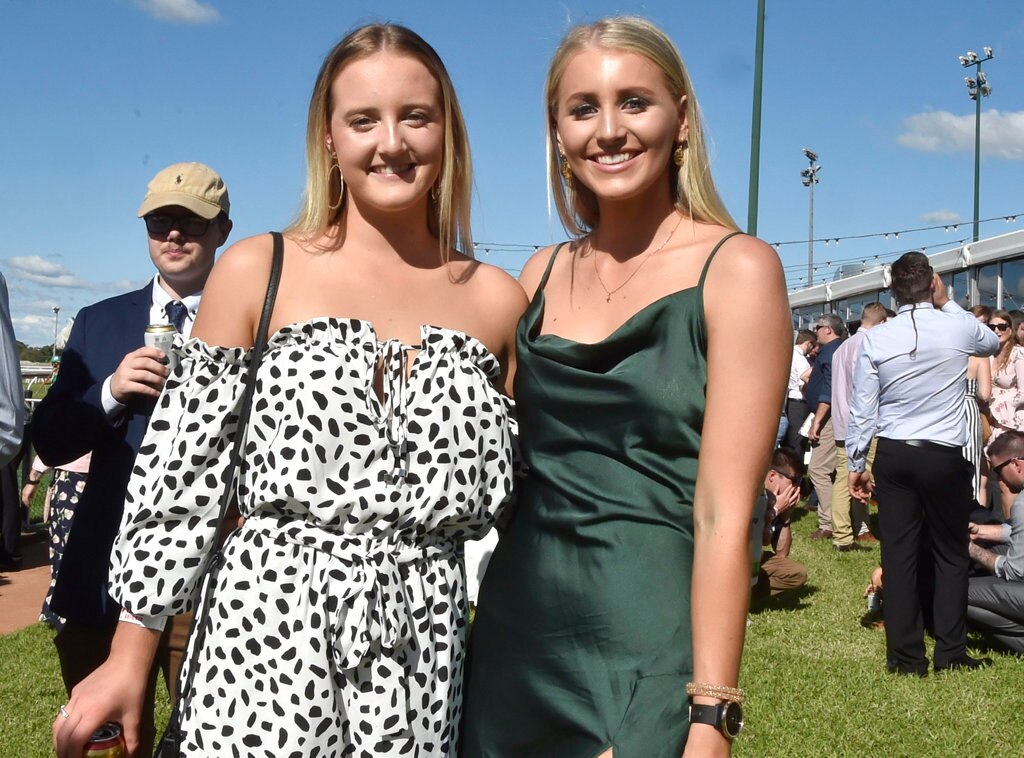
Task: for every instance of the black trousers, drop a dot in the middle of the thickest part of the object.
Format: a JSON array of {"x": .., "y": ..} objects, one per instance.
[
  {"x": 796, "y": 413},
  {"x": 10, "y": 513},
  {"x": 918, "y": 488}
]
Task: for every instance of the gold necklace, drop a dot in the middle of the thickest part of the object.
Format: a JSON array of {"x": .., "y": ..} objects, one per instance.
[{"x": 636, "y": 271}]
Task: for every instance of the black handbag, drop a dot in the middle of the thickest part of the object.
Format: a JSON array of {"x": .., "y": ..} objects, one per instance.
[{"x": 169, "y": 745}]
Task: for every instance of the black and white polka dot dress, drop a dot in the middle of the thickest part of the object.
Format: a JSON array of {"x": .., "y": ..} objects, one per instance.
[{"x": 339, "y": 613}]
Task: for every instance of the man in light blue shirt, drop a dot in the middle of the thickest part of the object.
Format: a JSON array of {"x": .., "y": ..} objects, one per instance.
[{"x": 909, "y": 383}]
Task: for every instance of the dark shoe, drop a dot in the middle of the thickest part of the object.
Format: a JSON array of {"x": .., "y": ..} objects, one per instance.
[
  {"x": 866, "y": 537},
  {"x": 853, "y": 547},
  {"x": 901, "y": 670},
  {"x": 963, "y": 663},
  {"x": 821, "y": 534}
]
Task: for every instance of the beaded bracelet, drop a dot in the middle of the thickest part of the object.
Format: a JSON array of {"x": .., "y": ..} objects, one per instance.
[{"x": 716, "y": 690}]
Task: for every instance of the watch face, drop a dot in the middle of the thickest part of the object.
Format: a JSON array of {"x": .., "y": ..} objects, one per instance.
[{"x": 732, "y": 719}]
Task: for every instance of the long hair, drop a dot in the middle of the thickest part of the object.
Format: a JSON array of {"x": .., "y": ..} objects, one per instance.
[
  {"x": 324, "y": 199},
  {"x": 1003, "y": 356},
  {"x": 693, "y": 189}
]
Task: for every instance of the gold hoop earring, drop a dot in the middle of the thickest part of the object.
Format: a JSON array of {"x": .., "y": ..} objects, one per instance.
[
  {"x": 333, "y": 207},
  {"x": 564, "y": 167},
  {"x": 679, "y": 154}
]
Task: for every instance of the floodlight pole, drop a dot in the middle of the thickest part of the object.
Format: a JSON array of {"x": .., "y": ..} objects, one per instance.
[
  {"x": 810, "y": 178},
  {"x": 977, "y": 88}
]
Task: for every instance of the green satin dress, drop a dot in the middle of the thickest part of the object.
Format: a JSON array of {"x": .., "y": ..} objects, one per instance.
[{"x": 582, "y": 635}]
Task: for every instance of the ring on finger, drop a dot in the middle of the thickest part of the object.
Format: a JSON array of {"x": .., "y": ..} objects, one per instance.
[{"x": 64, "y": 712}]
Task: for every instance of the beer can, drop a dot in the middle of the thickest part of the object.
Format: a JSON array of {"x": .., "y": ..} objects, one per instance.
[
  {"x": 106, "y": 742},
  {"x": 874, "y": 602},
  {"x": 161, "y": 336}
]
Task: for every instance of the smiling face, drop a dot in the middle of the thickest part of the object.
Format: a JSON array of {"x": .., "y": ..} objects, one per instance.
[
  {"x": 387, "y": 131},
  {"x": 617, "y": 124}
]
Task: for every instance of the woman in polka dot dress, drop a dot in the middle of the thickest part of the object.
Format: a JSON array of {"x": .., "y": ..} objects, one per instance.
[{"x": 379, "y": 441}]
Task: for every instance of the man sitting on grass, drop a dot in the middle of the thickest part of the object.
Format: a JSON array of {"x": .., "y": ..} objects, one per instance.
[
  {"x": 995, "y": 602},
  {"x": 779, "y": 572}
]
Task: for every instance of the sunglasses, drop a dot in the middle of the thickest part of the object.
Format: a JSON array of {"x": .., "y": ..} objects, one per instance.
[
  {"x": 998, "y": 327},
  {"x": 998, "y": 469},
  {"x": 797, "y": 480},
  {"x": 821, "y": 326},
  {"x": 190, "y": 226}
]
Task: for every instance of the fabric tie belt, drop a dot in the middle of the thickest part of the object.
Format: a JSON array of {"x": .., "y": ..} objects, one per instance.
[{"x": 366, "y": 580}]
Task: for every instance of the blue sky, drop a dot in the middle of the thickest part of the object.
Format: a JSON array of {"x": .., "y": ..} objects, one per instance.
[{"x": 101, "y": 94}]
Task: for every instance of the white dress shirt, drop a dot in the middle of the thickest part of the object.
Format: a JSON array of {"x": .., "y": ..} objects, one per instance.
[
  {"x": 157, "y": 315},
  {"x": 911, "y": 375},
  {"x": 797, "y": 368}
]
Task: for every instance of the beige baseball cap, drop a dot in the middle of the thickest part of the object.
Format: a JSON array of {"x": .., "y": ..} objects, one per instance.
[{"x": 190, "y": 185}]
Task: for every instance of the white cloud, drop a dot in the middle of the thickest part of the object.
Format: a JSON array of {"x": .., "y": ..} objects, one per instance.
[
  {"x": 1002, "y": 134},
  {"x": 941, "y": 217},
  {"x": 180, "y": 11},
  {"x": 41, "y": 271}
]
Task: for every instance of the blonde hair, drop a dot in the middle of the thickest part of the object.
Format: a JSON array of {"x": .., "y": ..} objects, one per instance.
[
  {"x": 324, "y": 199},
  {"x": 693, "y": 188}
]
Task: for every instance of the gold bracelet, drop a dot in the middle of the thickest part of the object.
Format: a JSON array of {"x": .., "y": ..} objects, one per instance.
[{"x": 716, "y": 690}]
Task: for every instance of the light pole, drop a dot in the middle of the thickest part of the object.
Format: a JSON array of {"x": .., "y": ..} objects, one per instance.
[
  {"x": 56, "y": 310},
  {"x": 977, "y": 88},
  {"x": 809, "y": 176}
]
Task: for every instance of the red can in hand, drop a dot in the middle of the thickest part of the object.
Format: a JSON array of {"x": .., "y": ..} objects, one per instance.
[{"x": 106, "y": 742}]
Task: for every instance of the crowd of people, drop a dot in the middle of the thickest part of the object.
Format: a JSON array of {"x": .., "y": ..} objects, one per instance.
[
  {"x": 332, "y": 616},
  {"x": 920, "y": 410}
]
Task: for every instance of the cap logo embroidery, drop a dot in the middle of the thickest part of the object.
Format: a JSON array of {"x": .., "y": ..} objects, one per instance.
[{"x": 178, "y": 180}]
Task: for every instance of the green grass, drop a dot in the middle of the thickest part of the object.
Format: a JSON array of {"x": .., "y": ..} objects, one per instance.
[
  {"x": 817, "y": 686},
  {"x": 815, "y": 680},
  {"x": 31, "y": 692}
]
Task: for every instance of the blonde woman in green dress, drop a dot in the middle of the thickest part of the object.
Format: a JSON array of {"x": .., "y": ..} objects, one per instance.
[{"x": 648, "y": 410}]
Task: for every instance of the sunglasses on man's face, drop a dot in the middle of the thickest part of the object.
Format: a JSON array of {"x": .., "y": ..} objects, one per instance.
[
  {"x": 190, "y": 226},
  {"x": 997, "y": 470},
  {"x": 821, "y": 326},
  {"x": 998, "y": 327}
]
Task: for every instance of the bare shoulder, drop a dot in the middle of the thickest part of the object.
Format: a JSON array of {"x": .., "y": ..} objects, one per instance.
[
  {"x": 247, "y": 259},
  {"x": 495, "y": 289},
  {"x": 744, "y": 269},
  {"x": 746, "y": 257},
  {"x": 533, "y": 271},
  {"x": 233, "y": 296}
]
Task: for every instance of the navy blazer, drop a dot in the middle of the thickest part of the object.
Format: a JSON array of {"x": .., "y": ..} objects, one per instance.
[{"x": 70, "y": 422}]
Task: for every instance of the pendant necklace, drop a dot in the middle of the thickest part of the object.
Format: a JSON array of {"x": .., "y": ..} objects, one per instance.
[{"x": 609, "y": 292}]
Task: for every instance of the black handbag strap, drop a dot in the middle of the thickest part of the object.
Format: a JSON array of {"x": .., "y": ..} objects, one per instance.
[{"x": 170, "y": 743}]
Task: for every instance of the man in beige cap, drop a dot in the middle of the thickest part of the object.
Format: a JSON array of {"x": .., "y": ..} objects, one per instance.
[{"x": 101, "y": 402}]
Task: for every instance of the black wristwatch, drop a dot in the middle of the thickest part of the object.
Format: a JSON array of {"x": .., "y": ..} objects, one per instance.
[{"x": 726, "y": 717}]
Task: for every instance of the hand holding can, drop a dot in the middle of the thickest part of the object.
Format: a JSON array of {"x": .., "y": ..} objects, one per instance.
[{"x": 161, "y": 336}]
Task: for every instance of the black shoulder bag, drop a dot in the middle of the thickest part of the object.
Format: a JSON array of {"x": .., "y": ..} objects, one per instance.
[{"x": 170, "y": 743}]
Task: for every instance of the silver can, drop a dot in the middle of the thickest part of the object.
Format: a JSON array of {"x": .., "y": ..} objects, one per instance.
[
  {"x": 161, "y": 336},
  {"x": 874, "y": 602}
]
